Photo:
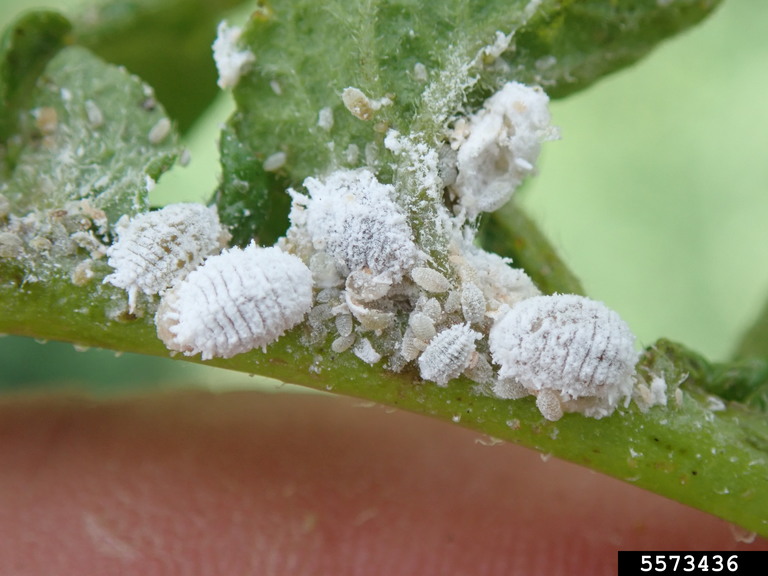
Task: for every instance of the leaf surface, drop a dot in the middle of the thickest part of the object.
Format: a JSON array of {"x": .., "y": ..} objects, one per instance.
[
  {"x": 91, "y": 131},
  {"x": 419, "y": 67}
]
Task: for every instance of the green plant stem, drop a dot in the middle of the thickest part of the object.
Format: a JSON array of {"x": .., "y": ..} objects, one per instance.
[
  {"x": 715, "y": 460},
  {"x": 510, "y": 232},
  {"x": 754, "y": 342}
]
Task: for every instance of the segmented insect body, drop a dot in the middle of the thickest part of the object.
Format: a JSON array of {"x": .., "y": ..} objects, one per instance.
[
  {"x": 156, "y": 249},
  {"x": 236, "y": 301},
  {"x": 472, "y": 303},
  {"x": 352, "y": 217},
  {"x": 567, "y": 344},
  {"x": 448, "y": 354}
]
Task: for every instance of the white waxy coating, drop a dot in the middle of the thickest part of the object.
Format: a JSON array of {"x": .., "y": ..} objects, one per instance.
[
  {"x": 568, "y": 344},
  {"x": 231, "y": 60},
  {"x": 500, "y": 283},
  {"x": 237, "y": 301},
  {"x": 448, "y": 354},
  {"x": 498, "y": 147},
  {"x": 156, "y": 249},
  {"x": 351, "y": 216}
]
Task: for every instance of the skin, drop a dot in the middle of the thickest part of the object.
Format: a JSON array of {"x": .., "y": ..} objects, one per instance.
[{"x": 250, "y": 483}]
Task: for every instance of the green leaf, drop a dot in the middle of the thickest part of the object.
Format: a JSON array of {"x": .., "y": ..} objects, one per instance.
[
  {"x": 25, "y": 49},
  {"x": 754, "y": 342},
  {"x": 431, "y": 63},
  {"x": 165, "y": 42},
  {"x": 568, "y": 45},
  {"x": 92, "y": 142},
  {"x": 91, "y": 132}
]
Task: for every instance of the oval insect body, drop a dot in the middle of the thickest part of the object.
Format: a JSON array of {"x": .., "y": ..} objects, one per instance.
[
  {"x": 430, "y": 280},
  {"x": 236, "y": 301},
  {"x": 156, "y": 249},
  {"x": 422, "y": 326},
  {"x": 472, "y": 303},
  {"x": 448, "y": 354},
  {"x": 570, "y": 345}
]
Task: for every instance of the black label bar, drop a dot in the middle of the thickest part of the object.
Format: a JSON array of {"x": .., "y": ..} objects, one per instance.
[{"x": 741, "y": 563}]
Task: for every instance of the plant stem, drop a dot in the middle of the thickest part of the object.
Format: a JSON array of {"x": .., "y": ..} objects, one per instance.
[
  {"x": 700, "y": 452},
  {"x": 510, "y": 232}
]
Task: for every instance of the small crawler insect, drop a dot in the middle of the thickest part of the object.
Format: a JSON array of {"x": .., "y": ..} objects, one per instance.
[
  {"x": 568, "y": 345},
  {"x": 237, "y": 301},
  {"x": 359, "y": 105},
  {"x": 156, "y": 249},
  {"x": 430, "y": 280},
  {"x": 274, "y": 162},
  {"x": 159, "y": 131},
  {"x": 422, "y": 326},
  {"x": 94, "y": 114},
  {"x": 366, "y": 352},
  {"x": 499, "y": 283},
  {"x": 448, "y": 354},
  {"x": 472, "y": 303}
]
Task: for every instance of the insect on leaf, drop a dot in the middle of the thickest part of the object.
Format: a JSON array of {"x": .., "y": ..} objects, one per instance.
[{"x": 329, "y": 79}]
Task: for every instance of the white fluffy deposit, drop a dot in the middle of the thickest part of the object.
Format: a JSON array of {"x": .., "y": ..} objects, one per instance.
[
  {"x": 498, "y": 146},
  {"x": 230, "y": 58}
]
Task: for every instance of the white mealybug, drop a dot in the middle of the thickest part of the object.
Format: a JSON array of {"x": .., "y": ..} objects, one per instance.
[
  {"x": 448, "y": 354},
  {"x": 236, "y": 301},
  {"x": 570, "y": 346},
  {"x": 499, "y": 145},
  {"x": 352, "y": 216},
  {"x": 156, "y": 249}
]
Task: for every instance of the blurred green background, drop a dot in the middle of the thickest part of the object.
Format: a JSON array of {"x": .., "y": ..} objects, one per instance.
[{"x": 657, "y": 197}]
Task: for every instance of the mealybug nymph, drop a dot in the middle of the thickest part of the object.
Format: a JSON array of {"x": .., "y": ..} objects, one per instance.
[{"x": 448, "y": 354}]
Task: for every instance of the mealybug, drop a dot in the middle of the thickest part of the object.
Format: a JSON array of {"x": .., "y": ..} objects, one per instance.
[
  {"x": 568, "y": 345},
  {"x": 156, "y": 249},
  {"x": 236, "y": 301}
]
